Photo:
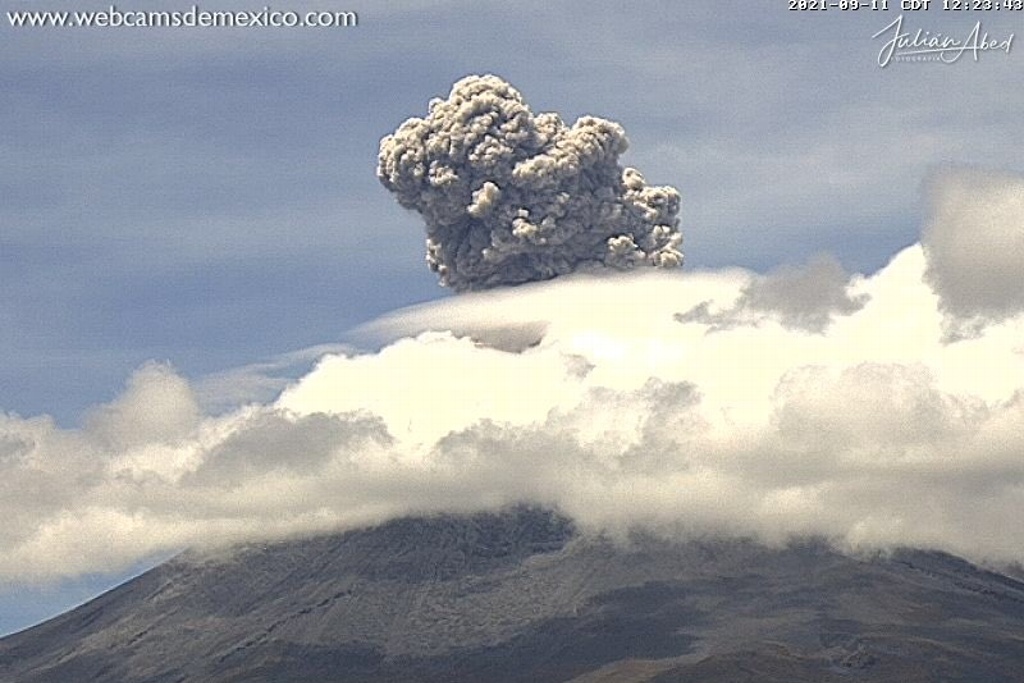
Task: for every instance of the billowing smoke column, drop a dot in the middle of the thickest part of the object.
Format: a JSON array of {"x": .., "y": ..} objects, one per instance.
[{"x": 509, "y": 197}]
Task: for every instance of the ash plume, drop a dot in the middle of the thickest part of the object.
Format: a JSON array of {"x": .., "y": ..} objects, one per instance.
[{"x": 510, "y": 197}]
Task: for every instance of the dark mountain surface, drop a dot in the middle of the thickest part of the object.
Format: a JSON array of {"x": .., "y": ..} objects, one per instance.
[{"x": 522, "y": 596}]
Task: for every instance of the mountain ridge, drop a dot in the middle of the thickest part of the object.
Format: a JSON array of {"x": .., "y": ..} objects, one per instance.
[{"x": 523, "y": 595}]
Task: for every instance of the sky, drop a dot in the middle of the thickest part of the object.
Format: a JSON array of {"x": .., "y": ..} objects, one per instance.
[{"x": 192, "y": 224}]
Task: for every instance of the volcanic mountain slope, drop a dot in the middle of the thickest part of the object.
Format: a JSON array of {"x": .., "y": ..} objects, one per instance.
[{"x": 522, "y": 596}]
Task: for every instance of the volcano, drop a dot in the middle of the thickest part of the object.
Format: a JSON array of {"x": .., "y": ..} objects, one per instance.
[{"x": 523, "y": 595}]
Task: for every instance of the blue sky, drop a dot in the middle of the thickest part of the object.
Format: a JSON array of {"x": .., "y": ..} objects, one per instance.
[{"x": 207, "y": 197}]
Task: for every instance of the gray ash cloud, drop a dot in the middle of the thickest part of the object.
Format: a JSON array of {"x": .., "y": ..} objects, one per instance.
[{"x": 510, "y": 197}]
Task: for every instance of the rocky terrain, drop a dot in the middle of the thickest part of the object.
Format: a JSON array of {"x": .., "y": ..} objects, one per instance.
[{"x": 523, "y": 596}]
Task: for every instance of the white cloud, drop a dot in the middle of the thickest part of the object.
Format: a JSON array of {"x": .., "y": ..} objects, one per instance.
[
  {"x": 258, "y": 382},
  {"x": 974, "y": 240},
  {"x": 807, "y": 298},
  {"x": 590, "y": 393},
  {"x": 157, "y": 406}
]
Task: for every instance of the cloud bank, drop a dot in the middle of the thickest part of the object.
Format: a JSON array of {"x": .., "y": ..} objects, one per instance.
[
  {"x": 511, "y": 197},
  {"x": 804, "y": 401}
]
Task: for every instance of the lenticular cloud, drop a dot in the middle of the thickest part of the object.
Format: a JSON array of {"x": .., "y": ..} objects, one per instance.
[{"x": 511, "y": 197}]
